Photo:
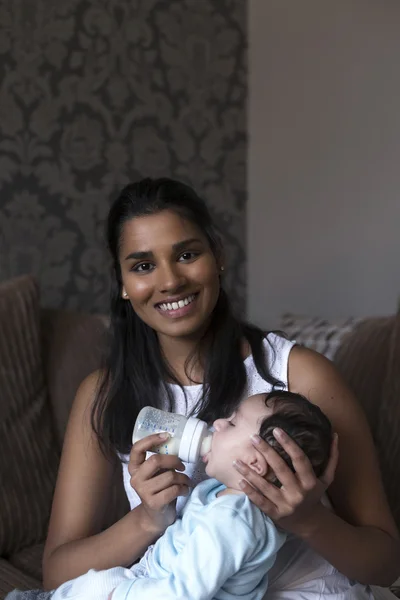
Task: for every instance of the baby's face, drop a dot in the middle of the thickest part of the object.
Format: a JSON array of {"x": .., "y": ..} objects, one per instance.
[{"x": 231, "y": 441}]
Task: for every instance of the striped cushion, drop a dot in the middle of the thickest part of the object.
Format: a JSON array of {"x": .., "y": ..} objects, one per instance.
[
  {"x": 318, "y": 334},
  {"x": 28, "y": 459},
  {"x": 11, "y": 578},
  {"x": 362, "y": 362},
  {"x": 370, "y": 362},
  {"x": 29, "y": 560}
]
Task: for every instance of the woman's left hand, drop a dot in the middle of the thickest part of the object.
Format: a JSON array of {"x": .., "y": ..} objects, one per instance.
[{"x": 291, "y": 506}]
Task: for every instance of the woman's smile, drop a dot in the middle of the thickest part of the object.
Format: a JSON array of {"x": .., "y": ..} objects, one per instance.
[{"x": 177, "y": 307}]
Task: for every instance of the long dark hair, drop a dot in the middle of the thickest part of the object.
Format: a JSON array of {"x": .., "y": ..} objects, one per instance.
[{"x": 135, "y": 373}]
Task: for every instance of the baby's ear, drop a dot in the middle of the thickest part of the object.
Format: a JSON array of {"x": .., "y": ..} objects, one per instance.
[{"x": 257, "y": 462}]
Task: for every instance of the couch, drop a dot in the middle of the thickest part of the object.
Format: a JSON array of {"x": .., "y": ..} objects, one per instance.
[{"x": 45, "y": 354}]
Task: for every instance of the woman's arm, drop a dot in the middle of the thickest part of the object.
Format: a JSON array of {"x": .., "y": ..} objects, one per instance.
[
  {"x": 75, "y": 542},
  {"x": 361, "y": 539}
]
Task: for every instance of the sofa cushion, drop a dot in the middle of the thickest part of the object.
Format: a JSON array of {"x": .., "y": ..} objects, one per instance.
[
  {"x": 28, "y": 453},
  {"x": 29, "y": 560},
  {"x": 12, "y": 578},
  {"x": 362, "y": 360},
  {"x": 388, "y": 429},
  {"x": 73, "y": 346},
  {"x": 323, "y": 335}
]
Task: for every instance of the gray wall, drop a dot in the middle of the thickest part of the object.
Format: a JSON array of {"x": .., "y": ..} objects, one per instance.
[
  {"x": 324, "y": 158},
  {"x": 95, "y": 94}
]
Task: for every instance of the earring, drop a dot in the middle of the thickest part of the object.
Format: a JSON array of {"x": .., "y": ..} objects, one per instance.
[
  {"x": 222, "y": 268},
  {"x": 124, "y": 294}
]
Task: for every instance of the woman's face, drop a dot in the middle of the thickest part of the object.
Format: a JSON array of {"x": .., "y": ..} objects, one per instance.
[{"x": 169, "y": 273}]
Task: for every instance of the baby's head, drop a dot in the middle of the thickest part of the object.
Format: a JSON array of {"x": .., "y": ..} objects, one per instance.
[{"x": 303, "y": 421}]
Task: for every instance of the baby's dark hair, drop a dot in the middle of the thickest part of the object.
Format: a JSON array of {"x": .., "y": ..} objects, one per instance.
[{"x": 304, "y": 422}]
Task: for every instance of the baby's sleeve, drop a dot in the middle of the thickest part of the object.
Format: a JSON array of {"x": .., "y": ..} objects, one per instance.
[{"x": 218, "y": 548}]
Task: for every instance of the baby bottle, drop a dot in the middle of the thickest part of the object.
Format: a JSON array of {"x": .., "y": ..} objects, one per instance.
[{"x": 189, "y": 438}]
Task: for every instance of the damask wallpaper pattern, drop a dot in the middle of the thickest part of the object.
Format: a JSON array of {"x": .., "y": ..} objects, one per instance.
[{"x": 97, "y": 93}]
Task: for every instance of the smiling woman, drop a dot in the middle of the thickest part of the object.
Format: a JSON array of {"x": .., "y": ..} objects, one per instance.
[
  {"x": 175, "y": 344},
  {"x": 169, "y": 273}
]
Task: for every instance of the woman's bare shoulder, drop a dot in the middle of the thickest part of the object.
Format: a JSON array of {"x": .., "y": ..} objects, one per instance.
[
  {"x": 88, "y": 390},
  {"x": 311, "y": 374},
  {"x": 317, "y": 378},
  {"x": 92, "y": 381}
]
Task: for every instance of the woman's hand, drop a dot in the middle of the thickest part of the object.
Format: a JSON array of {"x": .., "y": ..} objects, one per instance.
[
  {"x": 291, "y": 506},
  {"x": 157, "y": 481}
]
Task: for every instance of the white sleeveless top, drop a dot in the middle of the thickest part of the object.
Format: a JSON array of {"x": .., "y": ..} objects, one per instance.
[{"x": 298, "y": 573}]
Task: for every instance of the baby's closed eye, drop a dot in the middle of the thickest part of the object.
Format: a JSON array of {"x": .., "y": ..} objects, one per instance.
[{"x": 231, "y": 419}]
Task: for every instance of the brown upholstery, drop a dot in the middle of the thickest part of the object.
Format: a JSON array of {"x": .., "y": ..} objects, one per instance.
[
  {"x": 388, "y": 434},
  {"x": 29, "y": 560},
  {"x": 73, "y": 346},
  {"x": 28, "y": 455},
  {"x": 362, "y": 360},
  {"x": 11, "y": 578},
  {"x": 369, "y": 360}
]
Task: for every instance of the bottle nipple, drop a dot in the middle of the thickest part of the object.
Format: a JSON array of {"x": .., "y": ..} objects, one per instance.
[{"x": 206, "y": 444}]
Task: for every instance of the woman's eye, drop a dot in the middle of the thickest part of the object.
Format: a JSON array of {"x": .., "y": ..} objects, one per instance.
[
  {"x": 186, "y": 256},
  {"x": 142, "y": 268}
]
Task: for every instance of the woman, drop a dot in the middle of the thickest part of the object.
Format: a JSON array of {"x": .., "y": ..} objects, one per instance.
[{"x": 176, "y": 344}]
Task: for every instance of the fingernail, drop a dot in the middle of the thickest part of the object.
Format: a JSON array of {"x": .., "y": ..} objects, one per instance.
[
  {"x": 278, "y": 433},
  {"x": 164, "y": 435},
  {"x": 242, "y": 484},
  {"x": 255, "y": 439},
  {"x": 238, "y": 463}
]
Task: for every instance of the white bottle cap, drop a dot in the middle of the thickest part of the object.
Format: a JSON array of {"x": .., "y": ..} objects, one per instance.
[{"x": 189, "y": 449}]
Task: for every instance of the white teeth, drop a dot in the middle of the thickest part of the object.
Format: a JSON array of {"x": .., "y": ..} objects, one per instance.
[{"x": 176, "y": 305}]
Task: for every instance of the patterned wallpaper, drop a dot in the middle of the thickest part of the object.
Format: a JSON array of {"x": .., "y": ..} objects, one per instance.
[{"x": 97, "y": 93}]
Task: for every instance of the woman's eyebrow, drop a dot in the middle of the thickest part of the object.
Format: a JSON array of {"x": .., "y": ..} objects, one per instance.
[
  {"x": 146, "y": 254},
  {"x": 181, "y": 245},
  {"x": 140, "y": 255}
]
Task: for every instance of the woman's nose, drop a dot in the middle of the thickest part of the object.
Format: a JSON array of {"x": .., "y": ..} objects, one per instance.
[{"x": 170, "y": 279}]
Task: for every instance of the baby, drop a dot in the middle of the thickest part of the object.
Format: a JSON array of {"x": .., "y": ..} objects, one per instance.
[{"x": 223, "y": 546}]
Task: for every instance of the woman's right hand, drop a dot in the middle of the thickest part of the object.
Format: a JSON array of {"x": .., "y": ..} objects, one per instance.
[{"x": 158, "y": 481}]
